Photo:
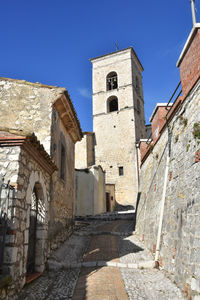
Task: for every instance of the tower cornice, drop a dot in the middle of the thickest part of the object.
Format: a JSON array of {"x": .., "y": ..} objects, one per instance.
[{"x": 117, "y": 52}]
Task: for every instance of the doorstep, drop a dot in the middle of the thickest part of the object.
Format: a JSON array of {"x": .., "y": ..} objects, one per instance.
[{"x": 32, "y": 276}]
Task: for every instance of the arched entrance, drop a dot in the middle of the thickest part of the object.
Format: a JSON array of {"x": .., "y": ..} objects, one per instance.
[{"x": 36, "y": 229}]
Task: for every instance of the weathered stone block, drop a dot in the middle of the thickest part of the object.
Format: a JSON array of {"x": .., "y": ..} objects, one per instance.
[{"x": 10, "y": 255}]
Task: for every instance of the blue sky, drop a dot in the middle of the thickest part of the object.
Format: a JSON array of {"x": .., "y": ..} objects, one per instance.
[{"x": 52, "y": 41}]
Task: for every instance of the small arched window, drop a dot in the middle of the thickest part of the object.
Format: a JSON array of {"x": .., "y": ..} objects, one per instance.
[
  {"x": 111, "y": 81},
  {"x": 112, "y": 104},
  {"x": 137, "y": 86}
]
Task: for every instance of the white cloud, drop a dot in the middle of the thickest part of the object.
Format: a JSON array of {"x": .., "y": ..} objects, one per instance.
[{"x": 84, "y": 92}]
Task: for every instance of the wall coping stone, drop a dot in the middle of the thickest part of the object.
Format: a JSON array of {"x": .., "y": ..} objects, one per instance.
[{"x": 188, "y": 43}]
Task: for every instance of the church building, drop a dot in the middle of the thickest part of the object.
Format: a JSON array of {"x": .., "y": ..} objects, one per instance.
[{"x": 118, "y": 120}]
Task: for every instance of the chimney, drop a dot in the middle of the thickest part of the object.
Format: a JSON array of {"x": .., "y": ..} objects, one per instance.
[
  {"x": 157, "y": 118},
  {"x": 189, "y": 60}
]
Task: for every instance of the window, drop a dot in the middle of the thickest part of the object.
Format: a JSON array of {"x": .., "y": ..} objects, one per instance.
[
  {"x": 137, "y": 86},
  {"x": 111, "y": 81},
  {"x": 62, "y": 162},
  {"x": 121, "y": 171},
  {"x": 112, "y": 104}
]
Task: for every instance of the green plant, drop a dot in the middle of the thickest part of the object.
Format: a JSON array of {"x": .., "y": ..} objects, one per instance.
[
  {"x": 176, "y": 138},
  {"x": 150, "y": 147},
  {"x": 183, "y": 121},
  {"x": 196, "y": 130},
  {"x": 187, "y": 148},
  {"x": 196, "y": 125}
]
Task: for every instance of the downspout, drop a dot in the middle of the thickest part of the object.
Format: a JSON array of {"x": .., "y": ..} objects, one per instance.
[
  {"x": 138, "y": 166},
  {"x": 157, "y": 254}
]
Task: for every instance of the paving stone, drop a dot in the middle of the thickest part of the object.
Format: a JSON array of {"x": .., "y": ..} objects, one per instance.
[
  {"x": 132, "y": 266},
  {"x": 121, "y": 265}
]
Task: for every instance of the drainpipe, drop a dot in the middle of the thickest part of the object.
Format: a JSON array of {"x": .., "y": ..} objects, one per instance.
[
  {"x": 193, "y": 12},
  {"x": 138, "y": 166},
  {"x": 157, "y": 254}
]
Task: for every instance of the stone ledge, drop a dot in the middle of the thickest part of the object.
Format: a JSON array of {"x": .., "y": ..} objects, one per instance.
[{"x": 103, "y": 233}]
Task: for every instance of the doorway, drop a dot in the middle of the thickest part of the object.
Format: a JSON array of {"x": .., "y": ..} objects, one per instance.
[
  {"x": 108, "y": 202},
  {"x": 32, "y": 232}
]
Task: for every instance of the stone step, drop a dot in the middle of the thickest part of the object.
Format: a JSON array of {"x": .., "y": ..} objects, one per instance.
[
  {"x": 121, "y": 215},
  {"x": 55, "y": 266},
  {"x": 92, "y": 233}
]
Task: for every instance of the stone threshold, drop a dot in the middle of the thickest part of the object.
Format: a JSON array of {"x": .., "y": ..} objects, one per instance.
[
  {"x": 32, "y": 276},
  {"x": 52, "y": 265}
]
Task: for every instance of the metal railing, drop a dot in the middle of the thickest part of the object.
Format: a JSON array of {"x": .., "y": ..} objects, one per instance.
[
  {"x": 6, "y": 205},
  {"x": 174, "y": 98}
]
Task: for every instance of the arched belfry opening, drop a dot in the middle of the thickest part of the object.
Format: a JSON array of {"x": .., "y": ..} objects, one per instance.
[
  {"x": 112, "y": 104},
  {"x": 111, "y": 81}
]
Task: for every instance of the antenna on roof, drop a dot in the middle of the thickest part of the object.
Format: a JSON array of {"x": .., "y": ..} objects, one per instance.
[
  {"x": 116, "y": 45},
  {"x": 193, "y": 11}
]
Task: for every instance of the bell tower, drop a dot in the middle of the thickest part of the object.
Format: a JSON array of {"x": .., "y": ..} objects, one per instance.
[{"x": 118, "y": 120}]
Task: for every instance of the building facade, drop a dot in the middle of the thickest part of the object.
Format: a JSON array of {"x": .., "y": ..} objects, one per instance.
[
  {"x": 48, "y": 112},
  {"x": 118, "y": 120}
]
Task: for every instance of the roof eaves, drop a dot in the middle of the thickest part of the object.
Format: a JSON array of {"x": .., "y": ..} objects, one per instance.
[{"x": 36, "y": 84}]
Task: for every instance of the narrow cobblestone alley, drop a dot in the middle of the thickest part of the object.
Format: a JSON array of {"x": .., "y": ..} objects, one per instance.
[{"x": 102, "y": 261}]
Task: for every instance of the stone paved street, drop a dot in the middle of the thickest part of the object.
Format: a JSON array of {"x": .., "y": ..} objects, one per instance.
[{"x": 102, "y": 261}]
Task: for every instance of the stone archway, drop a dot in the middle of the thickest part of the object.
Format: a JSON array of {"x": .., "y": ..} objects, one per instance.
[{"x": 37, "y": 217}]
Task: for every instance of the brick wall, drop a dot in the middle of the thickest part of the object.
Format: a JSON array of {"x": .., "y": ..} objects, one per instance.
[
  {"x": 158, "y": 119},
  {"x": 189, "y": 66}
]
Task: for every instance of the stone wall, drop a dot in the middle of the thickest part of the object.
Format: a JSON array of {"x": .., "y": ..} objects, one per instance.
[
  {"x": 25, "y": 174},
  {"x": 84, "y": 151},
  {"x": 30, "y": 107},
  {"x": 81, "y": 154},
  {"x": 27, "y": 106},
  {"x": 63, "y": 189},
  {"x": 99, "y": 190},
  {"x": 180, "y": 235},
  {"x": 113, "y": 152},
  {"x": 90, "y": 191}
]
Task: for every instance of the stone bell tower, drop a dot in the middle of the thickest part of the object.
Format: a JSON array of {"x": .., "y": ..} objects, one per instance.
[{"x": 118, "y": 120}]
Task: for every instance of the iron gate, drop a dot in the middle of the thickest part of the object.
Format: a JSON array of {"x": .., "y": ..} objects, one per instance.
[
  {"x": 32, "y": 233},
  {"x": 6, "y": 198}
]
